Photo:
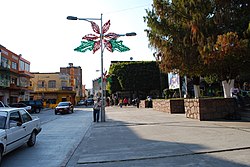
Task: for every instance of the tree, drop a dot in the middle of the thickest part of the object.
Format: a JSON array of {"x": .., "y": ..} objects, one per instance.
[
  {"x": 174, "y": 32},
  {"x": 135, "y": 77},
  {"x": 226, "y": 51},
  {"x": 187, "y": 33},
  {"x": 227, "y": 58}
]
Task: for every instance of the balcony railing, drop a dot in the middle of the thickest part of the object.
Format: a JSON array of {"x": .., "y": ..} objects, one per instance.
[
  {"x": 24, "y": 84},
  {"x": 69, "y": 88},
  {"x": 4, "y": 83}
]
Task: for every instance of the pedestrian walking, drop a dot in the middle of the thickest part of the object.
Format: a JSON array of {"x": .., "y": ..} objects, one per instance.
[
  {"x": 108, "y": 101},
  {"x": 125, "y": 101},
  {"x": 137, "y": 101},
  {"x": 120, "y": 103},
  {"x": 96, "y": 110}
]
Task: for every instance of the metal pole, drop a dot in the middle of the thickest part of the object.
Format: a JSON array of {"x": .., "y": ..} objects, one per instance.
[
  {"x": 102, "y": 50},
  {"x": 102, "y": 90}
]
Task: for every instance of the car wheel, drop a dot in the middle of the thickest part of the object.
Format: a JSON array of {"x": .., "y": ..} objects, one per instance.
[
  {"x": 32, "y": 139},
  {"x": 55, "y": 113}
]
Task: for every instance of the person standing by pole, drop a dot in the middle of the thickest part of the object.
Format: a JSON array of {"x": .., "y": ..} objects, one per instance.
[{"x": 96, "y": 110}]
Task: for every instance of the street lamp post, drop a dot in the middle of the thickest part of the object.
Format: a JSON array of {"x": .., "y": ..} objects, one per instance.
[
  {"x": 101, "y": 38},
  {"x": 112, "y": 36}
]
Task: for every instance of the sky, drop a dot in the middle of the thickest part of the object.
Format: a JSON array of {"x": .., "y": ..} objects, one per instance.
[{"x": 39, "y": 30}]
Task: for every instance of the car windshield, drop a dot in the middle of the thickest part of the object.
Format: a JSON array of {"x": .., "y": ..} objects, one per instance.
[
  {"x": 63, "y": 104},
  {"x": 3, "y": 117}
]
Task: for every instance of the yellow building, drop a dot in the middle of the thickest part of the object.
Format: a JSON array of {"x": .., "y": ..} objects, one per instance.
[{"x": 52, "y": 88}]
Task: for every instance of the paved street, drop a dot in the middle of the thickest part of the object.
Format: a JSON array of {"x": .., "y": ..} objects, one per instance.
[
  {"x": 144, "y": 137},
  {"x": 59, "y": 137}
]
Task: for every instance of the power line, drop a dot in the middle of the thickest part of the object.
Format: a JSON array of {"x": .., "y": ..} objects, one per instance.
[{"x": 122, "y": 10}]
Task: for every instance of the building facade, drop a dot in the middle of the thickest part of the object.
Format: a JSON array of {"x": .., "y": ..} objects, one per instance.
[
  {"x": 75, "y": 73},
  {"x": 96, "y": 88},
  {"x": 52, "y": 88},
  {"x": 14, "y": 77}
]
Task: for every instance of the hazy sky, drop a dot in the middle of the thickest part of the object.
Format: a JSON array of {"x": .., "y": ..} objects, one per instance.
[{"x": 39, "y": 30}]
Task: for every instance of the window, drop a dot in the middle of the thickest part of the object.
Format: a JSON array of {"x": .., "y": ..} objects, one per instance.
[
  {"x": 14, "y": 119},
  {"x": 27, "y": 67},
  {"x": 14, "y": 65},
  {"x": 3, "y": 117},
  {"x": 41, "y": 84},
  {"x": 21, "y": 65},
  {"x": 26, "y": 117},
  {"x": 52, "y": 84},
  {"x": 4, "y": 62}
]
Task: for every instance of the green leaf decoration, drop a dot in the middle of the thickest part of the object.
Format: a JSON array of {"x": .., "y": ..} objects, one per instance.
[
  {"x": 88, "y": 45},
  {"x": 109, "y": 80},
  {"x": 118, "y": 46}
]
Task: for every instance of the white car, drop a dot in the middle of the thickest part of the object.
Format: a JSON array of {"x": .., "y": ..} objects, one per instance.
[{"x": 17, "y": 127}]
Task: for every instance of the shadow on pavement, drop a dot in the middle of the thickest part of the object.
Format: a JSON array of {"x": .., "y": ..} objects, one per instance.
[{"x": 146, "y": 138}]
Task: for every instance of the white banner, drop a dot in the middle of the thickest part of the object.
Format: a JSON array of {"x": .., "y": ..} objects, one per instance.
[{"x": 173, "y": 80}]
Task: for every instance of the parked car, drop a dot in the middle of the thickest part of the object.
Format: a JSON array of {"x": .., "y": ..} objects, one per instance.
[
  {"x": 36, "y": 105},
  {"x": 82, "y": 102},
  {"x": 17, "y": 127},
  {"x": 21, "y": 105},
  {"x": 90, "y": 102},
  {"x": 64, "y": 107}
]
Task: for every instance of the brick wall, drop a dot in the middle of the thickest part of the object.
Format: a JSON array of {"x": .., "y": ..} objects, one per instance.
[
  {"x": 200, "y": 109},
  {"x": 210, "y": 109},
  {"x": 172, "y": 106}
]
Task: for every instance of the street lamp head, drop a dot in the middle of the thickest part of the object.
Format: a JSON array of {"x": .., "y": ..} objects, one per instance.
[
  {"x": 131, "y": 34},
  {"x": 72, "y": 18}
]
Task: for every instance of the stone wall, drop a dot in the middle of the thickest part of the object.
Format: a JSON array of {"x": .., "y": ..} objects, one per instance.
[
  {"x": 142, "y": 103},
  {"x": 210, "y": 109},
  {"x": 172, "y": 106}
]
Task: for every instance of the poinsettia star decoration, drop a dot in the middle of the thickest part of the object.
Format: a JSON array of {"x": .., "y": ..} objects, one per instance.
[
  {"x": 106, "y": 78},
  {"x": 93, "y": 41}
]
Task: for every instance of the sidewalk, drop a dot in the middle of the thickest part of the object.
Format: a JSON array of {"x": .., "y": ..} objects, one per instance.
[{"x": 144, "y": 137}]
